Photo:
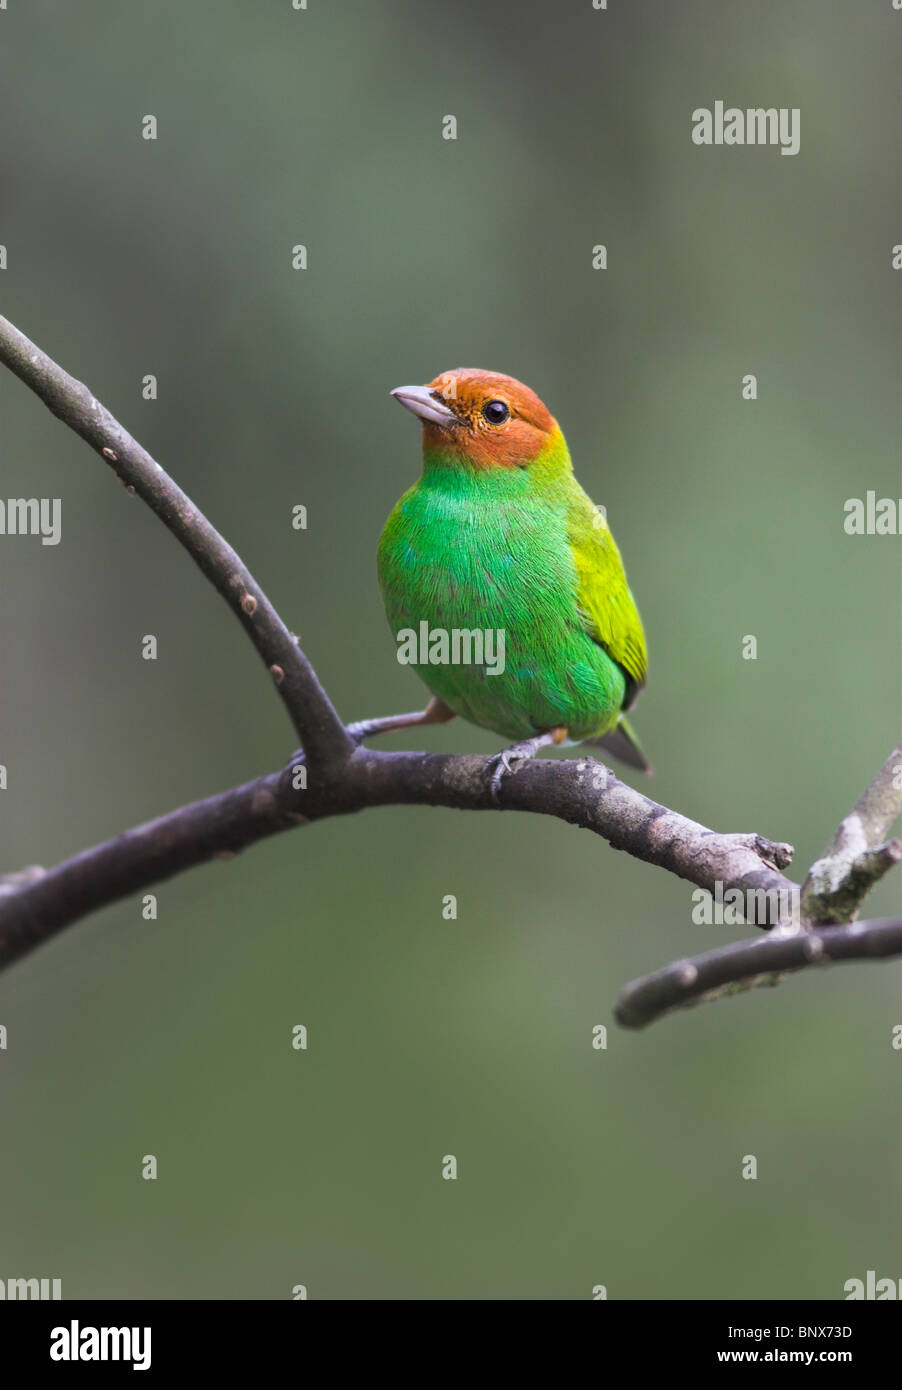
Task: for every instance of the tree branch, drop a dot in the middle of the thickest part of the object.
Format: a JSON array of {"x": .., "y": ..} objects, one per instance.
[
  {"x": 834, "y": 888},
  {"x": 857, "y": 856},
  {"x": 36, "y": 905},
  {"x": 317, "y": 725},
  {"x": 748, "y": 964}
]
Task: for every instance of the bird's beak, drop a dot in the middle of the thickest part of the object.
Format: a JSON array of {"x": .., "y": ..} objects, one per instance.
[{"x": 424, "y": 403}]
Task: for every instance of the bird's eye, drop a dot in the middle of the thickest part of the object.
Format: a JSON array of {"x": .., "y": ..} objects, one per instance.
[{"x": 496, "y": 412}]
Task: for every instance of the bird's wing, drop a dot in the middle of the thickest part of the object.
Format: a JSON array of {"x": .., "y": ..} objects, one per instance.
[{"x": 608, "y": 608}]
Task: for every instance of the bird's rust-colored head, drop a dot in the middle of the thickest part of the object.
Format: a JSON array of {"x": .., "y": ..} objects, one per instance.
[{"x": 484, "y": 419}]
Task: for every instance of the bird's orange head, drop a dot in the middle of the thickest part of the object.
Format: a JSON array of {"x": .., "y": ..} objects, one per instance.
[{"x": 481, "y": 419}]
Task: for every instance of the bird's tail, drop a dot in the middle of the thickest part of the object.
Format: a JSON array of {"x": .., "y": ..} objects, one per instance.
[{"x": 622, "y": 742}]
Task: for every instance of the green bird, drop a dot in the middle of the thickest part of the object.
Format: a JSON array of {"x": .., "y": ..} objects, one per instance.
[{"x": 498, "y": 543}]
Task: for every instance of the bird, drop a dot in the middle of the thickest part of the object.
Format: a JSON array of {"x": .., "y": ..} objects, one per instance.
[{"x": 498, "y": 536}]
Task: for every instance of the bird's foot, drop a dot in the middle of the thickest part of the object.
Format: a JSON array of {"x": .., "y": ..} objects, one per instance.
[
  {"x": 362, "y": 729},
  {"x": 506, "y": 762},
  {"x": 436, "y": 712}
]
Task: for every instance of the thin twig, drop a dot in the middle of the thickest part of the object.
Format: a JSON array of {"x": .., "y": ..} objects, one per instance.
[{"x": 747, "y": 964}]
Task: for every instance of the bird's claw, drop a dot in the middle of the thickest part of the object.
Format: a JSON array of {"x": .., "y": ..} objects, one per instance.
[{"x": 502, "y": 765}]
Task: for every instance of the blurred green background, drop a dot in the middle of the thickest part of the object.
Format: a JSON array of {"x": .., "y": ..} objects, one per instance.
[{"x": 576, "y": 1167}]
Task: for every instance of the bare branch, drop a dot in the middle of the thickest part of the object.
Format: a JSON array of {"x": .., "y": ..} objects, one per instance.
[
  {"x": 316, "y": 722},
  {"x": 858, "y": 855},
  {"x": 836, "y": 884},
  {"x": 584, "y": 793},
  {"x": 748, "y": 964}
]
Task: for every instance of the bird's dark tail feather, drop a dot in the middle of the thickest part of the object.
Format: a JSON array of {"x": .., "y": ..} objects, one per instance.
[{"x": 623, "y": 744}]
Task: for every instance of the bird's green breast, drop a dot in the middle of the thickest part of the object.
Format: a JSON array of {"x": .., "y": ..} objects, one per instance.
[{"x": 460, "y": 553}]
